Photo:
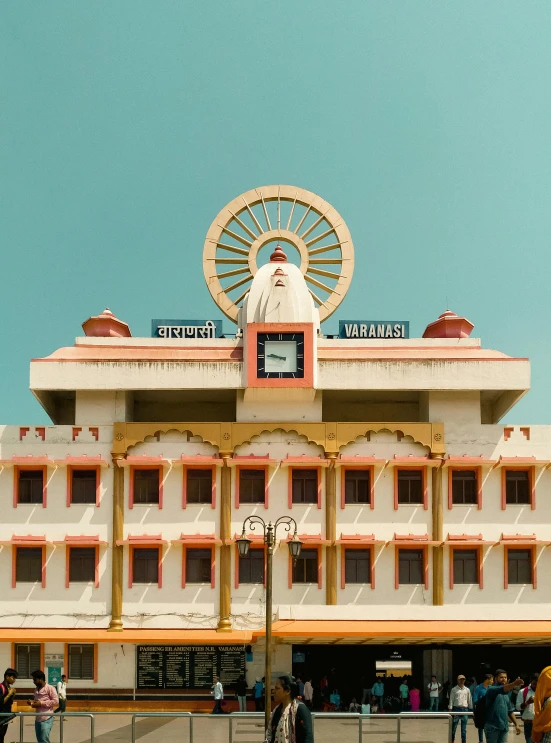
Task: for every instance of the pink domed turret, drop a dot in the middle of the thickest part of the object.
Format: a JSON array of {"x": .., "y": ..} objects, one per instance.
[
  {"x": 106, "y": 325},
  {"x": 278, "y": 256},
  {"x": 449, "y": 325}
]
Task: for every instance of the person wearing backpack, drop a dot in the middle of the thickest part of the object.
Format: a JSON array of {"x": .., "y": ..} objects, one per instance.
[
  {"x": 525, "y": 705},
  {"x": 7, "y": 694},
  {"x": 479, "y": 703}
]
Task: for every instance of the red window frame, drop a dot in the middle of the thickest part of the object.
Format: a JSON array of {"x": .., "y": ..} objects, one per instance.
[
  {"x": 371, "y": 548},
  {"x": 425, "y": 548},
  {"x": 184, "y": 484},
  {"x": 424, "y": 485},
  {"x": 530, "y": 548},
  {"x": 14, "y": 644},
  {"x": 14, "y": 549},
  {"x": 131, "y": 565},
  {"x": 290, "y": 503},
  {"x": 479, "y": 561},
  {"x": 30, "y": 468},
  {"x": 307, "y": 545},
  {"x": 371, "y": 469},
  {"x": 133, "y": 469},
  {"x": 238, "y": 469},
  {"x": 199, "y": 546},
  {"x": 478, "y": 470},
  {"x": 531, "y": 485},
  {"x": 70, "y": 469},
  {"x": 68, "y": 549},
  {"x": 66, "y": 656},
  {"x": 236, "y": 563}
]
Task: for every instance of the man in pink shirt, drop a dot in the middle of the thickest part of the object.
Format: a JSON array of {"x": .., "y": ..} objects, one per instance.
[{"x": 44, "y": 702}]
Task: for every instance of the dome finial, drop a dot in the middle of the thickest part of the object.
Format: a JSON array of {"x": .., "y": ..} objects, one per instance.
[{"x": 278, "y": 256}]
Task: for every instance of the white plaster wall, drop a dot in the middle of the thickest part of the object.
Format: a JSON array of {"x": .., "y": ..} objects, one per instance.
[{"x": 103, "y": 407}]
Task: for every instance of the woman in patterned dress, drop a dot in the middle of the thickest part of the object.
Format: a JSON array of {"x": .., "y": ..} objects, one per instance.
[
  {"x": 291, "y": 721},
  {"x": 541, "y": 729}
]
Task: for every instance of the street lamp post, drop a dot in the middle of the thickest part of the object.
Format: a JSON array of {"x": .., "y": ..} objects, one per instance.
[{"x": 295, "y": 545}]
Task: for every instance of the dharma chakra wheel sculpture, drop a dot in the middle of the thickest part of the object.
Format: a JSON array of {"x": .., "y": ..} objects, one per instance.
[{"x": 268, "y": 215}]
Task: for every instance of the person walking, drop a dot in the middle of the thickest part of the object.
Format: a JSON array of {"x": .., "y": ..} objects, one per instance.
[
  {"x": 415, "y": 698},
  {"x": 241, "y": 693},
  {"x": 258, "y": 695},
  {"x": 480, "y": 693},
  {"x": 44, "y": 702},
  {"x": 404, "y": 695},
  {"x": 308, "y": 693},
  {"x": 62, "y": 694},
  {"x": 7, "y": 694},
  {"x": 300, "y": 684},
  {"x": 525, "y": 705},
  {"x": 218, "y": 691},
  {"x": 460, "y": 701},
  {"x": 541, "y": 727},
  {"x": 291, "y": 721},
  {"x": 378, "y": 691},
  {"x": 499, "y": 709},
  {"x": 434, "y": 688}
]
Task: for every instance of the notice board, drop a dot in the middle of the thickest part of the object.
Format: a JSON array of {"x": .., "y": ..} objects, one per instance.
[{"x": 188, "y": 666}]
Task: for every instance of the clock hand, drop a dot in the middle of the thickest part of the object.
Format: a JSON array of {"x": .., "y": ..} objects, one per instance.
[{"x": 275, "y": 356}]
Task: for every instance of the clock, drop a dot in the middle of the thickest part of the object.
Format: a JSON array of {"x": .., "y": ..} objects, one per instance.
[{"x": 280, "y": 355}]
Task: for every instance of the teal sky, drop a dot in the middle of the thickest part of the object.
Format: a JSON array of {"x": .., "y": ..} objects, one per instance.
[{"x": 126, "y": 126}]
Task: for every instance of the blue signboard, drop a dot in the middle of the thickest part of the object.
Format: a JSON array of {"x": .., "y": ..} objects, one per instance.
[
  {"x": 190, "y": 329},
  {"x": 373, "y": 329}
]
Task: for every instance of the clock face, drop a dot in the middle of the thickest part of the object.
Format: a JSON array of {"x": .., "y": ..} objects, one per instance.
[{"x": 280, "y": 355}]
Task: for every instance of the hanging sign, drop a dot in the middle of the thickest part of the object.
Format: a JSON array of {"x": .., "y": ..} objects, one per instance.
[
  {"x": 373, "y": 329},
  {"x": 196, "y": 329}
]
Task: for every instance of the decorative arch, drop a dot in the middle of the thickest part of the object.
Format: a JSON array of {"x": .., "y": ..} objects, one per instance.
[
  {"x": 244, "y": 433},
  {"x": 430, "y": 435}
]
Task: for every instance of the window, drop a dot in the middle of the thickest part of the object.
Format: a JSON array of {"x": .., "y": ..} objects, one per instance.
[
  {"x": 304, "y": 486},
  {"x": 465, "y": 566},
  {"x": 410, "y": 567},
  {"x": 145, "y": 565},
  {"x": 410, "y": 486},
  {"x": 305, "y": 569},
  {"x": 199, "y": 486},
  {"x": 251, "y": 567},
  {"x": 31, "y": 486},
  {"x": 28, "y": 567},
  {"x": 81, "y": 661},
  {"x": 146, "y": 486},
  {"x": 519, "y": 566},
  {"x": 357, "y": 486},
  {"x": 464, "y": 487},
  {"x": 27, "y": 659},
  {"x": 83, "y": 486},
  {"x": 198, "y": 565},
  {"x": 82, "y": 564},
  {"x": 357, "y": 566},
  {"x": 517, "y": 487},
  {"x": 252, "y": 485}
]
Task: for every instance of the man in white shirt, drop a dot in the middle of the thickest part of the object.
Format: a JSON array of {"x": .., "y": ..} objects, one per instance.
[
  {"x": 525, "y": 704},
  {"x": 62, "y": 694},
  {"x": 460, "y": 701},
  {"x": 434, "y": 694},
  {"x": 218, "y": 691}
]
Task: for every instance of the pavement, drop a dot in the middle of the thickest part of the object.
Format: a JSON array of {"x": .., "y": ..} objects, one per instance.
[{"x": 110, "y": 728}]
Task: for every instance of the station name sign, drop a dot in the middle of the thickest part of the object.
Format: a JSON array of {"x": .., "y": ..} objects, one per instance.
[
  {"x": 373, "y": 329},
  {"x": 186, "y": 328}
]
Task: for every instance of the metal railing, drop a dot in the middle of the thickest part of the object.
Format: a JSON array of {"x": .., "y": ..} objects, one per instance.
[{"x": 57, "y": 716}]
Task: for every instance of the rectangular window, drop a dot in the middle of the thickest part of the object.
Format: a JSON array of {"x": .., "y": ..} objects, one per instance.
[
  {"x": 30, "y": 486},
  {"x": 517, "y": 487},
  {"x": 357, "y": 486},
  {"x": 82, "y": 564},
  {"x": 252, "y": 486},
  {"x": 81, "y": 662},
  {"x": 28, "y": 566},
  {"x": 199, "y": 486},
  {"x": 146, "y": 486},
  {"x": 519, "y": 566},
  {"x": 145, "y": 565},
  {"x": 465, "y": 566},
  {"x": 27, "y": 660},
  {"x": 198, "y": 565},
  {"x": 305, "y": 486},
  {"x": 410, "y": 486},
  {"x": 251, "y": 567},
  {"x": 410, "y": 567},
  {"x": 357, "y": 566},
  {"x": 83, "y": 486},
  {"x": 464, "y": 487},
  {"x": 305, "y": 570}
]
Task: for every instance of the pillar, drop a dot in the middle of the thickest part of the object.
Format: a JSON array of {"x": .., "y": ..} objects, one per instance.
[
  {"x": 331, "y": 531},
  {"x": 437, "y": 536},
  {"x": 117, "y": 551},
  {"x": 224, "y": 622}
]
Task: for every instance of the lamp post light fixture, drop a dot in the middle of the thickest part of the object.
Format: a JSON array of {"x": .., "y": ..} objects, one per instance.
[{"x": 295, "y": 545}]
